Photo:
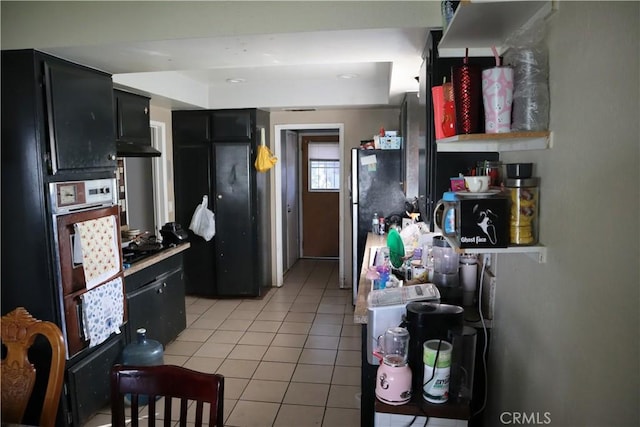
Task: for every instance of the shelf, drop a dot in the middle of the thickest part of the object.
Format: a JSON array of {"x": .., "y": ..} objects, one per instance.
[
  {"x": 479, "y": 25},
  {"x": 537, "y": 253},
  {"x": 495, "y": 142}
]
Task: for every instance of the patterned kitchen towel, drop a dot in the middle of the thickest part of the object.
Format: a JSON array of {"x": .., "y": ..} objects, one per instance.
[
  {"x": 103, "y": 311},
  {"x": 100, "y": 252}
]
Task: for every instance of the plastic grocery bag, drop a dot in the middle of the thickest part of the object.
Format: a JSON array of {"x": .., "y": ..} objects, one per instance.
[
  {"x": 265, "y": 159},
  {"x": 203, "y": 222}
]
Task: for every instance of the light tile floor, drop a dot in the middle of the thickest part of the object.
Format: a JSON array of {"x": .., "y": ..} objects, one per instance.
[{"x": 290, "y": 358}]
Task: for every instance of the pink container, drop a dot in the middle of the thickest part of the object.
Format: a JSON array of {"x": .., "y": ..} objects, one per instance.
[{"x": 497, "y": 98}]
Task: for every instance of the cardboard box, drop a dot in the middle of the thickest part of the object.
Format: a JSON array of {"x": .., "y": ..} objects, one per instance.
[
  {"x": 484, "y": 222},
  {"x": 390, "y": 142}
]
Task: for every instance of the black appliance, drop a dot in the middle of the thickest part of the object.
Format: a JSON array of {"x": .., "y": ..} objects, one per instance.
[
  {"x": 426, "y": 321},
  {"x": 376, "y": 187},
  {"x": 173, "y": 233},
  {"x": 439, "y": 167}
]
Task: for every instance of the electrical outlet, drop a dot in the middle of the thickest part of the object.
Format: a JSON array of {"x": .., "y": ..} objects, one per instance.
[{"x": 488, "y": 294}]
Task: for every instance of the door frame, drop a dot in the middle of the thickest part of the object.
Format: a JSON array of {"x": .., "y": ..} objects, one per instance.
[
  {"x": 160, "y": 173},
  {"x": 277, "y": 185}
]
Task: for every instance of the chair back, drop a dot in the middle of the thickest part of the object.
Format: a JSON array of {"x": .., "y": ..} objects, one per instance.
[
  {"x": 19, "y": 331},
  {"x": 190, "y": 389}
]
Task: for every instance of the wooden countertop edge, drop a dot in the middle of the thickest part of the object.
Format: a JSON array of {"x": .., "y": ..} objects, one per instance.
[
  {"x": 153, "y": 259},
  {"x": 364, "y": 287}
]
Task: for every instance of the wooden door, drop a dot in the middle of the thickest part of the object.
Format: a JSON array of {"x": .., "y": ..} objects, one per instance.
[{"x": 320, "y": 210}]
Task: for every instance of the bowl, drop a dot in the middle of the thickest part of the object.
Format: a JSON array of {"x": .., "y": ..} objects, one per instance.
[
  {"x": 477, "y": 184},
  {"x": 519, "y": 170}
]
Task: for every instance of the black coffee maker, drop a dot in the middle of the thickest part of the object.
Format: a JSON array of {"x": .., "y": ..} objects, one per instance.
[{"x": 426, "y": 321}]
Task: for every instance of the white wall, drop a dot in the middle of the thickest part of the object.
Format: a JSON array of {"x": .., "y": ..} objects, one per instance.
[{"x": 566, "y": 333}]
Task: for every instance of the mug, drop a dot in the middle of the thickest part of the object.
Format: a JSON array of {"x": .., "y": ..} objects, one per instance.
[{"x": 478, "y": 183}]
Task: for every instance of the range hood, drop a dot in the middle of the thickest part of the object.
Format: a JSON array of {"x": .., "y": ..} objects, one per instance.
[{"x": 132, "y": 149}]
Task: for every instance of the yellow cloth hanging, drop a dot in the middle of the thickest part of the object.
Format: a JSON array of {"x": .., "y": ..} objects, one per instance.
[{"x": 265, "y": 159}]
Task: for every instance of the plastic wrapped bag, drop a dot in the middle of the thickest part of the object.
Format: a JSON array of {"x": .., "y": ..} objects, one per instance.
[
  {"x": 528, "y": 55},
  {"x": 203, "y": 222}
]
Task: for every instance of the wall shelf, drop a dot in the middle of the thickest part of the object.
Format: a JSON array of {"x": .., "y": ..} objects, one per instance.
[
  {"x": 495, "y": 142},
  {"x": 537, "y": 253},
  {"x": 481, "y": 24}
]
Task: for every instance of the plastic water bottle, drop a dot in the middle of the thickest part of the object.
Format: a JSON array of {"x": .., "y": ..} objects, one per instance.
[
  {"x": 375, "y": 225},
  {"x": 143, "y": 352}
]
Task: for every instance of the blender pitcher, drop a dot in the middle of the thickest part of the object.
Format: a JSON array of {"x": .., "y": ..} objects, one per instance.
[
  {"x": 393, "y": 378},
  {"x": 395, "y": 346}
]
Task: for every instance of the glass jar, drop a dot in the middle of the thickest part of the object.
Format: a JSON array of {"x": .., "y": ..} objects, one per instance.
[
  {"x": 524, "y": 196},
  {"x": 492, "y": 169}
]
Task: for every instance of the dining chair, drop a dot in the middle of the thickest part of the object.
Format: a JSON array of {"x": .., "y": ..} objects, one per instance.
[
  {"x": 19, "y": 331},
  {"x": 147, "y": 384}
]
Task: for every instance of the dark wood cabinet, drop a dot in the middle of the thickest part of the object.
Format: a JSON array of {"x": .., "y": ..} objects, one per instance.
[
  {"x": 232, "y": 125},
  {"x": 88, "y": 388},
  {"x": 79, "y": 117},
  {"x": 155, "y": 300},
  {"x": 132, "y": 117},
  {"x": 132, "y": 125},
  {"x": 57, "y": 125},
  {"x": 214, "y": 154},
  {"x": 59, "y": 112}
]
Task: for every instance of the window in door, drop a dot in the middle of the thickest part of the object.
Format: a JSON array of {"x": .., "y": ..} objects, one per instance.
[{"x": 324, "y": 167}]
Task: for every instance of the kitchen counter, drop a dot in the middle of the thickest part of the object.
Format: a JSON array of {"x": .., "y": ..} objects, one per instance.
[
  {"x": 157, "y": 257},
  {"x": 364, "y": 286},
  {"x": 453, "y": 410}
]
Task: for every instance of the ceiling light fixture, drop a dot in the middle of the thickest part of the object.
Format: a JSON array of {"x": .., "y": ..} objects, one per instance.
[
  {"x": 236, "y": 80},
  {"x": 347, "y": 76}
]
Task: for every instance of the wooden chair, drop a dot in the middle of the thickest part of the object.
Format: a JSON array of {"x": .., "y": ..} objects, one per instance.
[
  {"x": 166, "y": 381},
  {"x": 19, "y": 331}
]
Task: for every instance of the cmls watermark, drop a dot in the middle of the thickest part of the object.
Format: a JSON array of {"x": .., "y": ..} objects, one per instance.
[{"x": 525, "y": 418}]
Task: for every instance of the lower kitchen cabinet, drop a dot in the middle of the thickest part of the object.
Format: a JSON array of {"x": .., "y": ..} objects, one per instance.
[
  {"x": 88, "y": 389},
  {"x": 155, "y": 301}
]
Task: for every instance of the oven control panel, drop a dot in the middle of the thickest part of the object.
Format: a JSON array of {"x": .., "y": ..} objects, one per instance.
[{"x": 72, "y": 196}]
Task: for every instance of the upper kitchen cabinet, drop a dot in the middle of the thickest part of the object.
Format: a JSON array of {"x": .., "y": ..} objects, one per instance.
[
  {"x": 191, "y": 127},
  {"x": 481, "y": 24},
  {"x": 58, "y": 113},
  {"x": 232, "y": 125},
  {"x": 132, "y": 125}
]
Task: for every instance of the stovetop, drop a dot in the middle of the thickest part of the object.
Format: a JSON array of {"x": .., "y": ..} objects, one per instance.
[{"x": 141, "y": 249}]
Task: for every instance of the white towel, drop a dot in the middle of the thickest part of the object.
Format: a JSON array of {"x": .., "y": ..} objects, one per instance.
[
  {"x": 98, "y": 240},
  {"x": 103, "y": 311}
]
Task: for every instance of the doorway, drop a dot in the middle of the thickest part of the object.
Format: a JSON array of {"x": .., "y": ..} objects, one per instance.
[
  {"x": 320, "y": 178},
  {"x": 283, "y": 242}
]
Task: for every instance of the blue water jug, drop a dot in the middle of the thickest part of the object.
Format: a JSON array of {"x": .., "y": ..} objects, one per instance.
[{"x": 142, "y": 352}]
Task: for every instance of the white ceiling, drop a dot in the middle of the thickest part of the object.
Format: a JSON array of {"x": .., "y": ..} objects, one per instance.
[{"x": 280, "y": 71}]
